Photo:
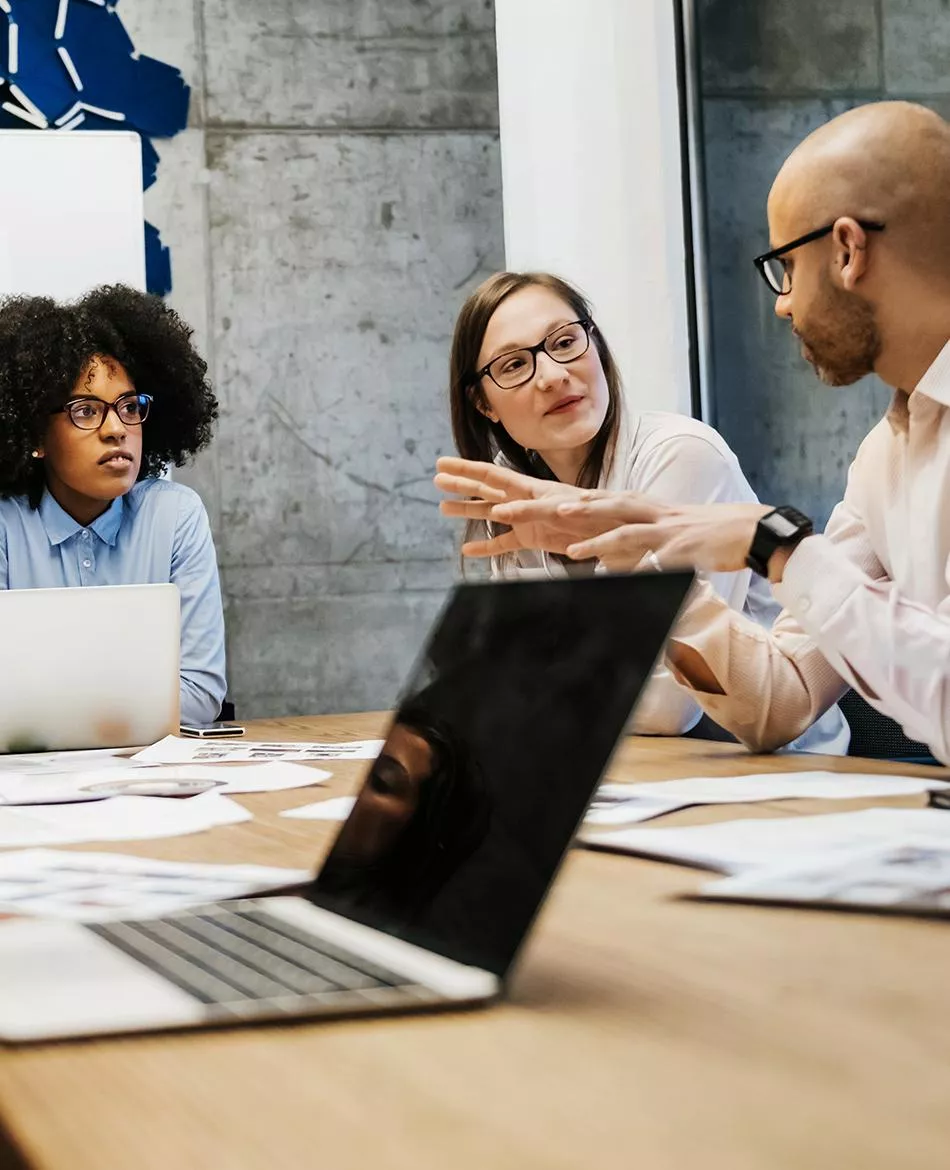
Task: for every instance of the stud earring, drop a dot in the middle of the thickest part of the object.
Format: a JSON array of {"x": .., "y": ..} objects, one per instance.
[{"x": 35, "y": 454}]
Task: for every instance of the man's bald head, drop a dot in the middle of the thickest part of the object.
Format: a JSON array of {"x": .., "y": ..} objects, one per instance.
[{"x": 889, "y": 162}]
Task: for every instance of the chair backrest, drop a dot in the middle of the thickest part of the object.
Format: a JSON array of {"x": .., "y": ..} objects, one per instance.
[{"x": 875, "y": 735}]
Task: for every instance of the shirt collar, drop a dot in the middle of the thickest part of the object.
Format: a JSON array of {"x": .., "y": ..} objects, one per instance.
[
  {"x": 898, "y": 414},
  {"x": 935, "y": 384},
  {"x": 60, "y": 526}
]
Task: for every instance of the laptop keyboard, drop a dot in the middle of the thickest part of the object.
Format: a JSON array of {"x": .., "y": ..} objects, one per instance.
[{"x": 239, "y": 958}]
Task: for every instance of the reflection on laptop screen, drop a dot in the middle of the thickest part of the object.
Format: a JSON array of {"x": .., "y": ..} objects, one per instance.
[{"x": 505, "y": 728}]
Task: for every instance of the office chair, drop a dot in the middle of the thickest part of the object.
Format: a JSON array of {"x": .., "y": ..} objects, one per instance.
[{"x": 877, "y": 737}]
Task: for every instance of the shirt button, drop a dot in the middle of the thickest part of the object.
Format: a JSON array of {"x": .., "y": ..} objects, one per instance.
[
  {"x": 805, "y": 604},
  {"x": 87, "y": 564},
  {"x": 85, "y": 534}
]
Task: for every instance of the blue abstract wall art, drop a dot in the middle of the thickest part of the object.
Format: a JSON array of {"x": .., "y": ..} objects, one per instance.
[{"x": 70, "y": 65}]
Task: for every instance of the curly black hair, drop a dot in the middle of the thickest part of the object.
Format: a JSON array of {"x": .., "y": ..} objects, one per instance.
[{"x": 46, "y": 346}]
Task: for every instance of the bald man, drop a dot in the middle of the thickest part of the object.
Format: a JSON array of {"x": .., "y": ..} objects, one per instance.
[{"x": 859, "y": 218}]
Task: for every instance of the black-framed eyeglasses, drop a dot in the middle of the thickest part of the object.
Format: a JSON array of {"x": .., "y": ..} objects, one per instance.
[
  {"x": 515, "y": 368},
  {"x": 90, "y": 413},
  {"x": 772, "y": 267}
]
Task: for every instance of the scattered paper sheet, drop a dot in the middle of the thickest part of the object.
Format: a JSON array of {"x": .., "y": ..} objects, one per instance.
[
  {"x": 736, "y": 846},
  {"x": 633, "y": 806},
  {"x": 43, "y": 763},
  {"x": 17, "y": 789},
  {"x": 272, "y": 777},
  {"x": 122, "y": 818},
  {"x": 627, "y": 803},
  {"x": 906, "y": 878},
  {"x": 53, "y": 788},
  {"x": 174, "y": 750},
  {"x": 94, "y": 887},
  {"x": 336, "y": 809},
  {"x": 781, "y": 785}
]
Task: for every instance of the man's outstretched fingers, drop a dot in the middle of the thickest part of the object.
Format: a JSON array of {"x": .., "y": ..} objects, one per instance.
[
  {"x": 621, "y": 547},
  {"x": 615, "y": 508},
  {"x": 507, "y": 542}
]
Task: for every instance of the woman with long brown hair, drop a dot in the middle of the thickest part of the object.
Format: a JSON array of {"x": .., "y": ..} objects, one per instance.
[{"x": 534, "y": 388}]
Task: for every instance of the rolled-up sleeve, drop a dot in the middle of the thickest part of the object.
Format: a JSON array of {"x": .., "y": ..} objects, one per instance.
[
  {"x": 771, "y": 686},
  {"x": 195, "y": 572}
]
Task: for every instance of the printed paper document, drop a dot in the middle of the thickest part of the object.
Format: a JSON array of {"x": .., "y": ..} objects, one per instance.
[
  {"x": 626, "y": 803},
  {"x": 175, "y": 750},
  {"x": 736, "y": 846},
  {"x": 903, "y": 878},
  {"x": 93, "y": 887}
]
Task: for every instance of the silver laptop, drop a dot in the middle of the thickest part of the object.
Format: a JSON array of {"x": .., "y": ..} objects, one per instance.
[
  {"x": 432, "y": 884},
  {"x": 88, "y": 668}
]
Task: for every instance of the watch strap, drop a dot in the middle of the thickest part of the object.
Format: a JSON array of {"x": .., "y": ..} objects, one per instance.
[{"x": 783, "y": 527}]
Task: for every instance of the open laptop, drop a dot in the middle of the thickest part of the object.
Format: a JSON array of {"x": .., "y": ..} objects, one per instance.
[
  {"x": 95, "y": 667},
  {"x": 509, "y": 718}
]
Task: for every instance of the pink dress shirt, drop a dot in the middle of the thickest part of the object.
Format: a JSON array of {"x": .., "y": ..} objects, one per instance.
[{"x": 866, "y": 604}]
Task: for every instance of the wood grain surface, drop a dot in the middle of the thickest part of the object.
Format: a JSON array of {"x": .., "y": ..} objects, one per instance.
[{"x": 641, "y": 1030}]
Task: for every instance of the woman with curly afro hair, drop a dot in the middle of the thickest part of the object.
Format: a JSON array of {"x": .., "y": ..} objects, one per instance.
[{"x": 97, "y": 398}]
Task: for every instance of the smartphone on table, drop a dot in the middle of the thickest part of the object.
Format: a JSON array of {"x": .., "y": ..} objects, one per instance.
[{"x": 210, "y": 730}]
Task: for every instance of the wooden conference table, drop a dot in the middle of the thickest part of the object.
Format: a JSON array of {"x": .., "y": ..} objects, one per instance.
[{"x": 641, "y": 1031}]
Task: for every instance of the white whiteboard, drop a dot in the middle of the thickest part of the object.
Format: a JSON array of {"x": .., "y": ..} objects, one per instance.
[{"x": 71, "y": 211}]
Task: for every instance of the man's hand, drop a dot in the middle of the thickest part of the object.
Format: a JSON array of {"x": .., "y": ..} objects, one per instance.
[
  {"x": 623, "y": 530},
  {"x": 492, "y": 486},
  {"x": 639, "y": 532}
]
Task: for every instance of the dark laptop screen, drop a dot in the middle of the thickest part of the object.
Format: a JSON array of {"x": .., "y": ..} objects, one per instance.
[{"x": 509, "y": 719}]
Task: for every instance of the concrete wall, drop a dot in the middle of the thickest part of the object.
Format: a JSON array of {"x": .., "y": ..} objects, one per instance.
[
  {"x": 334, "y": 199},
  {"x": 771, "y": 73}
]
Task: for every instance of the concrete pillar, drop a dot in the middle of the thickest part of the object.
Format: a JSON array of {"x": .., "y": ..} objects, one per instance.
[{"x": 592, "y": 186}]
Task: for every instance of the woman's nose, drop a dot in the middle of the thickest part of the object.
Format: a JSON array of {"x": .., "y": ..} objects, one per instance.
[
  {"x": 112, "y": 424},
  {"x": 547, "y": 371}
]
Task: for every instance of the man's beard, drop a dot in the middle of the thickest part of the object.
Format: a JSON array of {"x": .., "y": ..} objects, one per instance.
[{"x": 841, "y": 337}]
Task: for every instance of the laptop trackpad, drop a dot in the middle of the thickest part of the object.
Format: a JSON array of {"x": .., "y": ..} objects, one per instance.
[{"x": 59, "y": 979}]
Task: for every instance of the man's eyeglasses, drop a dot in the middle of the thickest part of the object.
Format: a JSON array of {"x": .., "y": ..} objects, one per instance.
[
  {"x": 515, "y": 368},
  {"x": 771, "y": 265},
  {"x": 90, "y": 413}
]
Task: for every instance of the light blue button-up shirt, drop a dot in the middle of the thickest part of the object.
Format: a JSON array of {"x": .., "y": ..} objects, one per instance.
[{"x": 156, "y": 533}]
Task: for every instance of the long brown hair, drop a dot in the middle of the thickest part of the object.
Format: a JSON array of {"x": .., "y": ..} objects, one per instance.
[{"x": 477, "y": 437}]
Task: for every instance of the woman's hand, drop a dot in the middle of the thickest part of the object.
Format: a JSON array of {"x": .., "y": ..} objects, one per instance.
[{"x": 487, "y": 485}]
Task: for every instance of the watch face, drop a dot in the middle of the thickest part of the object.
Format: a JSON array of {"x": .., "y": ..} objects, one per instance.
[{"x": 781, "y": 525}]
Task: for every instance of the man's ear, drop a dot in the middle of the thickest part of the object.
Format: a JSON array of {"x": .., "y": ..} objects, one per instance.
[{"x": 850, "y": 251}]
